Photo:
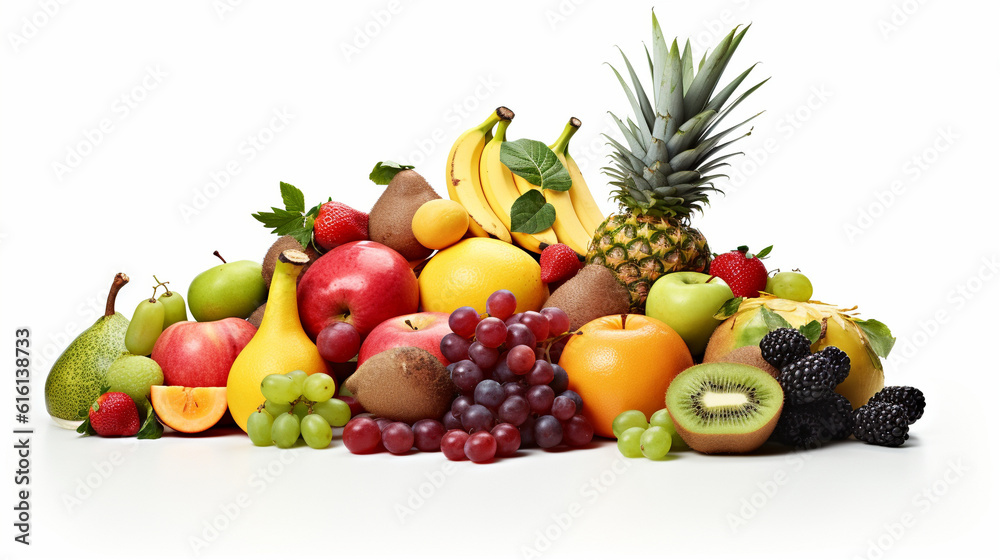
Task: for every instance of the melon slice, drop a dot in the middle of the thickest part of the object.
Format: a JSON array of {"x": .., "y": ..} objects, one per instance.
[{"x": 188, "y": 409}]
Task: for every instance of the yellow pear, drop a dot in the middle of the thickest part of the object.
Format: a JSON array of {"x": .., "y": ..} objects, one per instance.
[{"x": 280, "y": 345}]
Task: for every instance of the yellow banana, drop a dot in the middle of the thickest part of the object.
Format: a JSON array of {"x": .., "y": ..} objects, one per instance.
[
  {"x": 462, "y": 176},
  {"x": 567, "y": 226},
  {"x": 587, "y": 210},
  {"x": 501, "y": 191}
]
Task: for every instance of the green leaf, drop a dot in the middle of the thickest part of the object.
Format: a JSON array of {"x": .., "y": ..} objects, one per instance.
[
  {"x": 531, "y": 214},
  {"x": 85, "y": 428},
  {"x": 811, "y": 330},
  {"x": 536, "y": 163},
  {"x": 293, "y": 198},
  {"x": 151, "y": 428},
  {"x": 879, "y": 336},
  {"x": 729, "y": 308},
  {"x": 384, "y": 171},
  {"x": 773, "y": 320},
  {"x": 765, "y": 252}
]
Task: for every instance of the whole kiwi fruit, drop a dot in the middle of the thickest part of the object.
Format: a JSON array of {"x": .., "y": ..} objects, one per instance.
[
  {"x": 405, "y": 384},
  {"x": 391, "y": 218},
  {"x": 594, "y": 292},
  {"x": 279, "y": 246}
]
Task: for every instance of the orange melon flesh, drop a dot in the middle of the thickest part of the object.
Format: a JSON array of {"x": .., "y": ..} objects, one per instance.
[{"x": 188, "y": 409}]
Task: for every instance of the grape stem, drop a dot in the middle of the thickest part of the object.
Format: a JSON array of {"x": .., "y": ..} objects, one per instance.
[
  {"x": 167, "y": 293},
  {"x": 550, "y": 342},
  {"x": 152, "y": 298}
]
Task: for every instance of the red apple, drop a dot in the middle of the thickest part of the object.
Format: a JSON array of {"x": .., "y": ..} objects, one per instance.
[
  {"x": 362, "y": 283},
  {"x": 193, "y": 354},
  {"x": 421, "y": 330}
]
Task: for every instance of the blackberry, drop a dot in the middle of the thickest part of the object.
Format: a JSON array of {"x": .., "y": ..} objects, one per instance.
[
  {"x": 881, "y": 423},
  {"x": 798, "y": 429},
  {"x": 910, "y": 398},
  {"x": 839, "y": 361},
  {"x": 808, "y": 380},
  {"x": 836, "y": 415},
  {"x": 807, "y": 426},
  {"x": 782, "y": 347}
]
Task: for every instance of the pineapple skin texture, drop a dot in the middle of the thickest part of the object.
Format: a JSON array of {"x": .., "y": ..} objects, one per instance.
[{"x": 639, "y": 249}]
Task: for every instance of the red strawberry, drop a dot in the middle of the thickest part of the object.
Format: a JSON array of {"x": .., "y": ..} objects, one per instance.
[
  {"x": 559, "y": 263},
  {"x": 744, "y": 273},
  {"x": 338, "y": 223},
  {"x": 114, "y": 414}
]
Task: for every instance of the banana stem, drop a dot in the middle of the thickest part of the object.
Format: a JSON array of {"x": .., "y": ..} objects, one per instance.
[
  {"x": 562, "y": 143},
  {"x": 501, "y": 132},
  {"x": 120, "y": 280}
]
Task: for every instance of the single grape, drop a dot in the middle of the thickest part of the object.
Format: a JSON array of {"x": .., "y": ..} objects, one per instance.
[
  {"x": 512, "y": 388},
  {"x": 477, "y": 418},
  {"x": 508, "y": 439},
  {"x": 527, "y": 429},
  {"x": 145, "y": 327},
  {"x": 628, "y": 419},
  {"x": 538, "y": 324},
  {"x": 563, "y": 408},
  {"x": 275, "y": 409},
  {"x": 790, "y": 285},
  {"x": 427, "y": 435},
  {"x": 352, "y": 402},
  {"x": 540, "y": 398},
  {"x": 335, "y": 411},
  {"x": 560, "y": 379},
  {"x": 575, "y": 396},
  {"x": 520, "y": 335},
  {"x": 501, "y": 372},
  {"x": 382, "y": 423},
  {"x": 300, "y": 409},
  {"x": 556, "y": 350},
  {"x": 362, "y": 435},
  {"x": 463, "y": 321},
  {"x": 489, "y": 393},
  {"x": 466, "y": 375},
  {"x": 460, "y": 404},
  {"x": 279, "y": 389},
  {"x": 481, "y": 447},
  {"x": 577, "y": 431},
  {"x": 319, "y": 387},
  {"x": 454, "y": 348},
  {"x": 548, "y": 431},
  {"x": 514, "y": 319},
  {"x": 338, "y": 342},
  {"x": 501, "y": 304},
  {"x": 514, "y": 410},
  {"x": 541, "y": 373},
  {"x": 520, "y": 359},
  {"x": 491, "y": 332},
  {"x": 285, "y": 430},
  {"x": 453, "y": 444},
  {"x": 655, "y": 442},
  {"x": 629, "y": 442},
  {"x": 483, "y": 357},
  {"x": 316, "y": 431},
  {"x": 397, "y": 438},
  {"x": 451, "y": 422},
  {"x": 298, "y": 378},
  {"x": 259, "y": 428},
  {"x": 558, "y": 320},
  {"x": 662, "y": 419}
]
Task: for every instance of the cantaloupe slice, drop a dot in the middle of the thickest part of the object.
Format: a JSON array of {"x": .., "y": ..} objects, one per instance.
[{"x": 188, "y": 409}]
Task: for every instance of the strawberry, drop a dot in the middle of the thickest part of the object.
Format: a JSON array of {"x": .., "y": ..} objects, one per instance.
[
  {"x": 338, "y": 223},
  {"x": 745, "y": 274},
  {"x": 114, "y": 414},
  {"x": 559, "y": 263}
]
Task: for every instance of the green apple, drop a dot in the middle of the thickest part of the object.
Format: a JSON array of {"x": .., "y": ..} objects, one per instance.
[
  {"x": 231, "y": 289},
  {"x": 688, "y": 302}
]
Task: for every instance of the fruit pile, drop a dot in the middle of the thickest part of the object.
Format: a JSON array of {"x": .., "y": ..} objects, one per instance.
[{"x": 512, "y": 314}]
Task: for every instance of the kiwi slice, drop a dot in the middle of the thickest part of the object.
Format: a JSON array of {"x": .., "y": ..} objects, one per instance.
[{"x": 724, "y": 408}]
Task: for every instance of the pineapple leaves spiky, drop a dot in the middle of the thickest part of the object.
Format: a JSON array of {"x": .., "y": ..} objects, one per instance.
[{"x": 662, "y": 172}]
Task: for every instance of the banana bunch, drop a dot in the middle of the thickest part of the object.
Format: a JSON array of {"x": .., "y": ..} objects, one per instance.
[{"x": 480, "y": 182}]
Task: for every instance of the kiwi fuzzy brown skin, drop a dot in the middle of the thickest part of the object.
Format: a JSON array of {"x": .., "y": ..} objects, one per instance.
[
  {"x": 257, "y": 316},
  {"x": 282, "y": 244},
  {"x": 594, "y": 292},
  {"x": 749, "y": 355},
  {"x": 743, "y": 442},
  {"x": 390, "y": 219},
  {"x": 404, "y": 384}
]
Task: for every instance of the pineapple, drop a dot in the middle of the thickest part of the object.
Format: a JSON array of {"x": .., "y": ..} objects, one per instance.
[{"x": 664, "y": 174}]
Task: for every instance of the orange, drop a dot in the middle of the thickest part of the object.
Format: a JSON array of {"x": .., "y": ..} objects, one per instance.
[
  {"x": 469, "y": 271},
  {"x": 188, "y": 409},
  {"x": 621, "y": 364}
]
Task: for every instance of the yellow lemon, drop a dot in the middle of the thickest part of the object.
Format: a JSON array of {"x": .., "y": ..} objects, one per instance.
[
  {"x": 440, "y": 223},
  {"x": 469, "y": 271}
]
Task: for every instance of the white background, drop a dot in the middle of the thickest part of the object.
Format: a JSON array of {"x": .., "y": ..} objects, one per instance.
[{"x": 865, "y": 97}]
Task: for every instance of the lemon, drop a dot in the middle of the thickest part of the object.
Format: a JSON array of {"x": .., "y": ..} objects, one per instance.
[{"x": 440, "y": 223}]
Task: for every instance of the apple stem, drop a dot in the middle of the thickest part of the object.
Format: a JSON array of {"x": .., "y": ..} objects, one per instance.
[
  {"x": 710, "y": 278},
  {"x": 624, "y": 316},
  {"x": 409, "y": 324},
  {"x": 120, "y": 280},
  {"x": 167, "y": 293},
  {"x": 216, "y": 253}
]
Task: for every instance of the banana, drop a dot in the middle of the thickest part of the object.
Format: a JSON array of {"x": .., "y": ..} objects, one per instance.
[
  {"x": 462, "y": 176},
  {"x": 587, "y": 210},
  {"x": 501, "y": 191},
  {"x": 567, "y": 226}
]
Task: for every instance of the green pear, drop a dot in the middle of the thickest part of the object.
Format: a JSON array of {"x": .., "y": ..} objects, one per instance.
[
  {"x": 231, "y": 289},
  {"x": 78, "y": 377}
]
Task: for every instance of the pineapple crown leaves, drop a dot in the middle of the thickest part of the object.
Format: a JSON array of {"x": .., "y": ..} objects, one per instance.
[{"x": 671, "y": 147}]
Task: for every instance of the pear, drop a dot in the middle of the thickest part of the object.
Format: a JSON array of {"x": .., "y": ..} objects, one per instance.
[
  {"x": 78, "y": 376},
  {"x": 231, "y": 289},
  {"x": 391, "y": 218},
  {"x": 279, "y": 346}
]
